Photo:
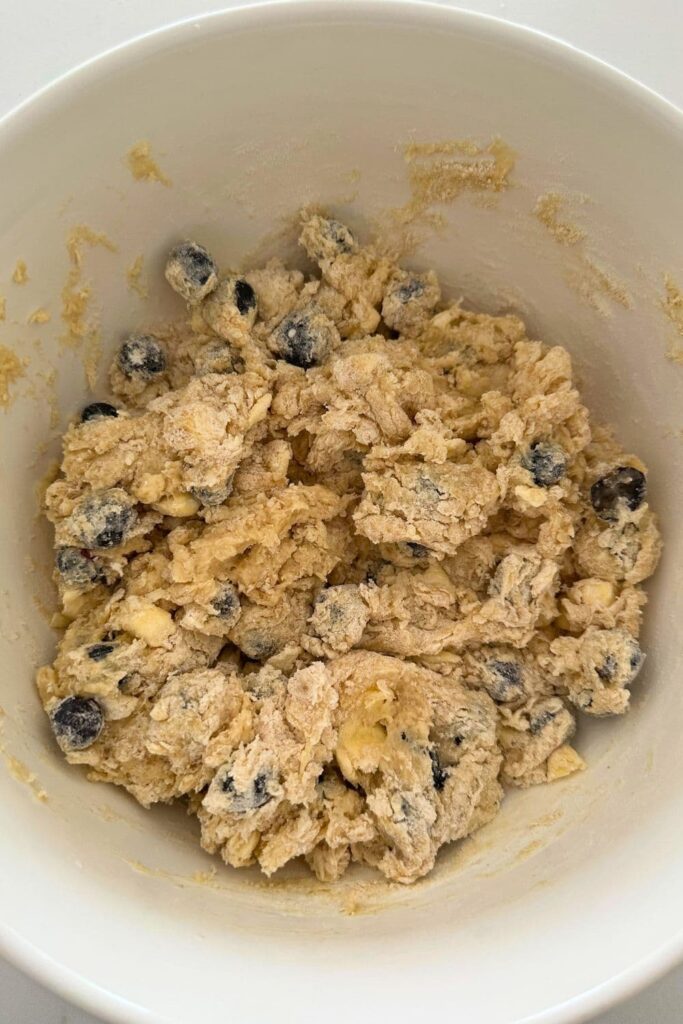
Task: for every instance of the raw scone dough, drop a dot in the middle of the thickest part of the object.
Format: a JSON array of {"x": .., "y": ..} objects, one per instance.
[{"x": 344, "y": 561}]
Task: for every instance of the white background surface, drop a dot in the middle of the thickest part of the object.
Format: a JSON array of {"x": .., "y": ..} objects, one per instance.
[{"x": 43, "y": 38}]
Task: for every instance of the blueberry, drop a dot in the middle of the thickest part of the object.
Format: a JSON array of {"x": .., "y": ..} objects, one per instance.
[
  {"x": 217, "y": 357},
  {"x": 77, "y": 722},
  {"x": 190, "y": 271},
  {"x": 544, "y": 714},
  {"x": 546, "y": 462},
  {"x": 245, "y": 297},
  {"x": 104, "y": 519},
  {"x": 608, "y": 668},
  {"x": 141, "y": 357},
  {"x": 539, "y": 722},
  {"x": 258, "y": 645},
  {"x": 77, "y": 567},
  {"x": 417, "y": 550},
  {"x": 428, "y": 489},
  {"x": 412, "y": 289},
  {"x": 98, "y": 410},
  {"x": 98, "y": 652},
  {"x": 439, "y": 774},
  {"x": 623, "y": 486},
  {"x": 325, "y": 239},
  {"x": 211, "y": 496},
  {"x": 250, "y": 799},
  {"x": 226, "y": 603},
  {"x": 503, "y": 680},
  {"x": 302, "y": 339}
]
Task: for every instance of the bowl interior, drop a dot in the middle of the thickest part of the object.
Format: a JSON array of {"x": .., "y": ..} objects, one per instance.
[{"x": 251, "y": 115}]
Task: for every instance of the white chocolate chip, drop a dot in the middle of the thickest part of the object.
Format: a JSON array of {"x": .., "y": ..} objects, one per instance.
[
  {"x": 179, "y": 505},
  {"x": 149, "y": 623}
]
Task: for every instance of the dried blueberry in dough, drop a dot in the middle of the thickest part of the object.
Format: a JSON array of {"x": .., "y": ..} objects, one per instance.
[
  {"x": 98, "y": 411},
  {"x": 546, "y": 462},
  {"x": 191, "y": 271},
  {"x": 304, "y": 339},
  {"x": 141, "y": 358},
  {"x": 77, "y": 567},
  {"x": 623, "y": 488},
  {"x": 77, "y": 722},
  {"x": 237, "y": 797},
  {"x": 104, "y": 519}
]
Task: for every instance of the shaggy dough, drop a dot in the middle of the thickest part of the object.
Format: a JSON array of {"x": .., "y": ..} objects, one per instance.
[{"x": 344, "y": 561}]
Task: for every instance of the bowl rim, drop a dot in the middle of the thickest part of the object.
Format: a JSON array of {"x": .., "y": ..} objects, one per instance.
[{"x": 15, "y": 948}]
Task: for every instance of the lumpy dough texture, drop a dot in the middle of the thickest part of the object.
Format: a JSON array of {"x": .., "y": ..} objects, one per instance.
[{"x": 348, "y": 564}]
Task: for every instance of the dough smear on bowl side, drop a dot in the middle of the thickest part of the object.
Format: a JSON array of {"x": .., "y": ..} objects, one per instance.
[{"x": 339, "y": 563}]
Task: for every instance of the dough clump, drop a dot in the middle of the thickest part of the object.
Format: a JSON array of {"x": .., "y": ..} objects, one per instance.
[{"x": 341, "y": 562}]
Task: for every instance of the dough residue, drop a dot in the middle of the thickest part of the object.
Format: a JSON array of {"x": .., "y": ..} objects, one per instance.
[
  {"x": 20, "y": 272},
  {"x": 595, "y": 284},
  {"x": 143, "y": 166},
  {"x": 134, "y": 277},
  {"x": 11, "y": 369},
  {"x": 672, "y": 304},
  {"x": 39, "y": 316},
  {"x": 548, "y": 210}
]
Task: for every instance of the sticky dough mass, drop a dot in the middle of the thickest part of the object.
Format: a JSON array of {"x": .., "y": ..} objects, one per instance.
[{"x": 343, "y": 563}]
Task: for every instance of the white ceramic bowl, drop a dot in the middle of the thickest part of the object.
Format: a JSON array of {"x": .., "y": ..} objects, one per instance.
[{"x": 573, "y": 897}]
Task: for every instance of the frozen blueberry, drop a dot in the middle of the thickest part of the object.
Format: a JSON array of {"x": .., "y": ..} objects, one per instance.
[
  {"x": 544, "y": 714},
  {"x": 411, "y": 289},
  {"x": 546, "y": 462},
  {"x": 439, "y": 774},
  {"x": 97, "y": 411},
  {"x": 250, "y": 799},
  {"x": 217, "y": 357},
  {"x": 141, "y": 357},
  {"x": 303, "y": 339},
  {"x": 230, "y": 308},
  {"x": 624, "y": 486},
  {"x": 245, "y": 296},
  {"x": 428, "y": 489},
  {"x": 258, "y": 645},
  {"x": 503, "y": 680},
  {"x": 417, "y": 550},
  {"x": 191, "y": 272},
  {"x": 324, "y": 238},
  {"x": 104, "y": 519},
  {"x": 226, "y": 603},
  {"x": 77, "y": 567},
  {"x": 211, "y": 496},
  {"x": 98, "y": 652},
  {"x": 77, "y": 722}
]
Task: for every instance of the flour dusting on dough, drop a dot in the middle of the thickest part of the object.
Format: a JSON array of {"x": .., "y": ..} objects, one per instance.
[{"x": 143, "y": 166}]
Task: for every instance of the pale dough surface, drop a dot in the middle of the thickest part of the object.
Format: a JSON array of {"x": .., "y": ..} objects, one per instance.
[{"x": 337, "y": 607}]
